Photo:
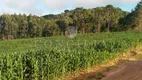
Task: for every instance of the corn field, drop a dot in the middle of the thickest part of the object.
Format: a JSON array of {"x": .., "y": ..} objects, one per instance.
[{"x": 49, "y": 58}]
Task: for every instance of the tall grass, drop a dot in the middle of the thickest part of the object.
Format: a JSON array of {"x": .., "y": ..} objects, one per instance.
[{"x": 47, "y": 58}]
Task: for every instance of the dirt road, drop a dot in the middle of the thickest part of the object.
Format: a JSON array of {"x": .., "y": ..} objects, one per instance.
[{"x": 128, "y": 71}]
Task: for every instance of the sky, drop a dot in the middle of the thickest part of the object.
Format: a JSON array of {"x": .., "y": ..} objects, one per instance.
[{"x": 43, "y": 7}]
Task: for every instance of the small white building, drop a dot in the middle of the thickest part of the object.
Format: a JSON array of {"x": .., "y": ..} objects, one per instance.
[{"x": 71, "y": 31}]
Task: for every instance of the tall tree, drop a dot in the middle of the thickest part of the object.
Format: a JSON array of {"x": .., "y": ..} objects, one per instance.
[{"x": 63, "y": 24}]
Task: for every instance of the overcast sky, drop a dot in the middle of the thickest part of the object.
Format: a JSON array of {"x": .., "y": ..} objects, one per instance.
[{"x": 42, "y": 7}]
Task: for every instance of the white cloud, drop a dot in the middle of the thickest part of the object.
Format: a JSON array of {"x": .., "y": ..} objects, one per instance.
[
  {"x": 94, "y": 3},
  {"x": 20, "y": 3},
  {"x": 128, "y": 1},
  {"x": 63, "y": 4},
  {"x": 56, "y": 4},
  {"x": 30, "y": 6},
  {"x": 90, "y": 3},
  {"x": 20, "y": 6}
]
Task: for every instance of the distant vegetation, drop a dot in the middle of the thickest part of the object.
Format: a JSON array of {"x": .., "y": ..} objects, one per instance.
[{"x": 100, "y": 19}]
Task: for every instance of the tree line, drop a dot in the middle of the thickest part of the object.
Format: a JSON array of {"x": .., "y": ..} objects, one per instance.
[
  {"x": 22, "y": 26},
  {"x": 100, "y": 19}
]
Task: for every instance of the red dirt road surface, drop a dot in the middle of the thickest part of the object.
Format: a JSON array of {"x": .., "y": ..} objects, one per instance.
[{"x": 128, "y": 71}]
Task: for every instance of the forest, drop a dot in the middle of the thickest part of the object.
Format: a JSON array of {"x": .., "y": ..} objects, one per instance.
[{"x": 99, "y": 19}]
